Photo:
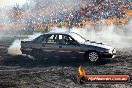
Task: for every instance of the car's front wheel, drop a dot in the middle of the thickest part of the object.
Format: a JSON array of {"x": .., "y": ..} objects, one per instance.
[{"x": 93, "y": 56}]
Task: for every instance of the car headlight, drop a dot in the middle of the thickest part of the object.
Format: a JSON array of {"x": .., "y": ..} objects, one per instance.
[{"x": 112, "y": 51}]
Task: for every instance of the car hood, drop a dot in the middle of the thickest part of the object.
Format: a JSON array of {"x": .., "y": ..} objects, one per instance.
[{"x": 101, "y": 45}]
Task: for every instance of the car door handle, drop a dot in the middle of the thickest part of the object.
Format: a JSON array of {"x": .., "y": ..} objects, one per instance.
[{"x": 60, "y": 46}]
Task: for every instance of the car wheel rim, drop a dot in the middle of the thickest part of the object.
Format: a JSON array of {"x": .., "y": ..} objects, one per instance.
[{"x": 93, "y": 56}]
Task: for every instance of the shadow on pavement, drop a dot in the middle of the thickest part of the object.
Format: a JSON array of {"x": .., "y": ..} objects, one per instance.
[{"x": 24, "y": 61}]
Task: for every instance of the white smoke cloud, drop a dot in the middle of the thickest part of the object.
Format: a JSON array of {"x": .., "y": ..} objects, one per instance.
[
  {"x": 15, "y": 47},
  {"x": 11, "y": 2},
  {"x": 57, "y": 29}
]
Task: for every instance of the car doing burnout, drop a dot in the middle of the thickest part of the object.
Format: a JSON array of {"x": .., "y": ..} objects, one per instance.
[{"x": 66, "y": 45}]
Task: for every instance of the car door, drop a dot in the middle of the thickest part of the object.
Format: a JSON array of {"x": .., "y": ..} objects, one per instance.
[
  {"x": 50, "y": 46},
  {"x": 68, "y": 47}
]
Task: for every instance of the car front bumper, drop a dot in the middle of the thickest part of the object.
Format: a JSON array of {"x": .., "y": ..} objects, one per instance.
[{"x": 108, "y": 55}]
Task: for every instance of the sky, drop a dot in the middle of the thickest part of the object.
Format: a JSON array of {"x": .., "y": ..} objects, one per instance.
[{"x": 4, "y": 3}]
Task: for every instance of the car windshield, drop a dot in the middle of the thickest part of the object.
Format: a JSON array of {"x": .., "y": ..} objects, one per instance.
[{"x": 78, "y": 38}]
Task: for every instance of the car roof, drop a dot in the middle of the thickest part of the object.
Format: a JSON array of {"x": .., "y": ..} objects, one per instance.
[{"x": 60, "y": 33}]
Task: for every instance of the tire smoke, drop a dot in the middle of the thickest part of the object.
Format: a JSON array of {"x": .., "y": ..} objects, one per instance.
[{"x": 14, "y": 48}]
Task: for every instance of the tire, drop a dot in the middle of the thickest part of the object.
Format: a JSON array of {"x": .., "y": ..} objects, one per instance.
[{"x": 93, "y": 56}]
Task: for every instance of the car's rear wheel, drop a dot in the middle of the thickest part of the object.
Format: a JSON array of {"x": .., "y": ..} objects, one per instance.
[{"x": 93, "y": 56}]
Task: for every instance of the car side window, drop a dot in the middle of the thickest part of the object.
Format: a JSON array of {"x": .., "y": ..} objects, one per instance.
[
  {"x": 51, "y": 39},
  {"x": 61, "y": 41},
  {"x": 66, "y": 40}
]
